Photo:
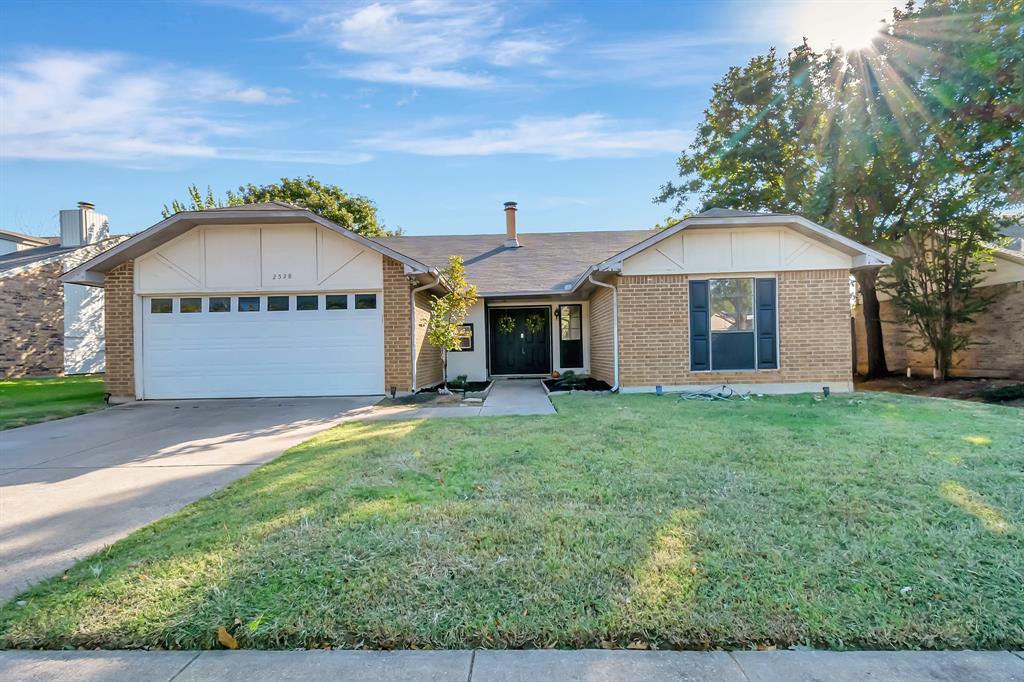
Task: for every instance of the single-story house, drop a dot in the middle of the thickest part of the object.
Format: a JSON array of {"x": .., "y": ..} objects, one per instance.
[
  {"x": 48, "y": 328},
  {"x": 997, "y": 334},
  {"x": 273, "y": 300}
]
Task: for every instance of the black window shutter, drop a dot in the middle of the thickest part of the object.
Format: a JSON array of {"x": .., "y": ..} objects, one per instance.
[
  {"x": 700, "y": 339},
  {"x": 767, "y": 325}
]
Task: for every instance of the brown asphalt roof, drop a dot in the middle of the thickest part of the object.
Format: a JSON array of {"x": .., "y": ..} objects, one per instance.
[{"x": 544, "y": 261}]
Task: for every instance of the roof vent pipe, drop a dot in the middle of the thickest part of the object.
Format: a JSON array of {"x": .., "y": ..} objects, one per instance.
[{"x": 511, "y": 239}]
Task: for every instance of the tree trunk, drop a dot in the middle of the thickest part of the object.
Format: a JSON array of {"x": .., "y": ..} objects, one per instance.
[{"x": 872, "y": 324}]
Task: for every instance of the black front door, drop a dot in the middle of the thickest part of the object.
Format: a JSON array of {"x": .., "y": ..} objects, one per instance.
[{"x": 520, "y": 340}]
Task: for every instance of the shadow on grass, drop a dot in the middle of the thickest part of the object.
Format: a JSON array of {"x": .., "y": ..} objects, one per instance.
[{"x": 624, "y": 519}]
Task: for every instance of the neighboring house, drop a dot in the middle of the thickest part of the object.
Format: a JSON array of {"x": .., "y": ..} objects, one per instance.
[
  {"x": 997, "y": 335},
  {"x": 49, "y": 328},
  {"x": 272, "y": 300},
  {"x": 16, "y": 241}
]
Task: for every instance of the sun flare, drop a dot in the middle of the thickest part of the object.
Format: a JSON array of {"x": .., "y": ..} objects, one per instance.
[{"x": 850, "y": 24}]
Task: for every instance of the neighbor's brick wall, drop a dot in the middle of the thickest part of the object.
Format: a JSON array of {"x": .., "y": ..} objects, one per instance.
[
  {"x": 118, "y": 318},
  {"x": 814, "y": 333},
  {"x": 428, "y": 357},
  {"x": 32, "y": 323},
  {"x": 602, "y": 339},
  {"x": 997, "y": 337},
  {"x": 397, "y": 337}
]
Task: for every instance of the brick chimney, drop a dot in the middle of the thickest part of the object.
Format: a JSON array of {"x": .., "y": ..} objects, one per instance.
[
  {"x": 511, "y": 240},
  {"x": 82, "y": 225}
]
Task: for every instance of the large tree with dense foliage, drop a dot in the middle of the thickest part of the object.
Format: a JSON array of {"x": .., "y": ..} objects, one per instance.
[
  {"x": 352, "y": 211},
  {"x": 868, "y": 143}
]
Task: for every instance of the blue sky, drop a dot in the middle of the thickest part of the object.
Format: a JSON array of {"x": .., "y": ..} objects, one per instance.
[{"x": 437, "y": 110}]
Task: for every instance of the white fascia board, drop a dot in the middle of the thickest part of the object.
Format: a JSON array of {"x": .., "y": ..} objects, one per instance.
[
  {"x": 801, "y": 224},
  {"x": 78, "y": 274}
]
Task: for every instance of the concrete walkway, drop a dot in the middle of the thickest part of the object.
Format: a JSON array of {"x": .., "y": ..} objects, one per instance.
[
  {"x": 507, "y": 397},
  {"x": 72, "y": 486},
  {"x": 514, "y": 666},
  {"x": 517, "y": 396}
]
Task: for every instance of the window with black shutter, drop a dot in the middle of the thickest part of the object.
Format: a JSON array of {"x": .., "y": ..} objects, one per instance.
[{"x": 733, "y": 324}]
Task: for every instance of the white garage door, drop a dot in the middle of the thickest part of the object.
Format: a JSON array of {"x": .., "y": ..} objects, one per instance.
[{"x": 212, "y": 346}]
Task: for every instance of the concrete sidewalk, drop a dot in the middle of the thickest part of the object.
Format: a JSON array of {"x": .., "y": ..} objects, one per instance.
[{"x": 515, "y": 666}]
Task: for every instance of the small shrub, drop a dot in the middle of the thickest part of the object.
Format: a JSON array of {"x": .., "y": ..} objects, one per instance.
[
  {"x": 459, "y": 382},
  {"x": 998, "y": 395},
  {"x": 571, "y": 381}
]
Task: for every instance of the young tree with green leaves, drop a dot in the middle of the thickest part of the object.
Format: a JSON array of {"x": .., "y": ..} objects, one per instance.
[
  {"x": 351, "y": 211},
  {"x": 449, "y": 312},
  {"x": 936, "y": 272}
]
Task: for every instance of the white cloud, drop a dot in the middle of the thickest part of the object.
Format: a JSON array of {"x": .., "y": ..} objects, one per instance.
[
  {"x": 582, "y": 136},
  {"x": 104, "y": 107},
  {"x": 389, "y": 72},
  {"x": 429, "y": 43}
]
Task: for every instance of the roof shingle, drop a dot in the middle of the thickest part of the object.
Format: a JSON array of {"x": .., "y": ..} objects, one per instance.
[{"x": 544, "y": 261}]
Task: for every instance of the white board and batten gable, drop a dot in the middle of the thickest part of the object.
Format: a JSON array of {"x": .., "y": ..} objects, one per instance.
[
  {"x": 255, "y": 258},
  {"x": 735, "y": 250}
]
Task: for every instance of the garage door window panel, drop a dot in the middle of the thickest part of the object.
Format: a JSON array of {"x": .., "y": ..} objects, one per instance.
[
  {"x": 277, "y": 303},
  {"x": 220, "y": 304},
  {"x": 366, "y": 301},
  {"x": 248, "y": 304},
  {"x": 161, "y": 306},
  {"x": 337, "y": 302},
  {"x": 190, "y": 305},
  {"x": 307, "y": 302}
]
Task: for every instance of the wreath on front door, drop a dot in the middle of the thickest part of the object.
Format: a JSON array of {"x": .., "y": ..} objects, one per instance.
[
  {"x": 506, "y": 325},
  {"x": 535, "y": 323}
]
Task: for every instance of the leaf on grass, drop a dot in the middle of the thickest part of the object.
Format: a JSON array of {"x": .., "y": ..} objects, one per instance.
[
  {"x": 605, "y": 644},
  {"x": 638, "y": 646},
  {"x": 225, "y": 638}
]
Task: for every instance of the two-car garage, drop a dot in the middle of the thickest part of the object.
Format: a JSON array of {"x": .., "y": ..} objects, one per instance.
[
  {"x": 266, "y": 302},
  {"x": 305, "y": 344}
]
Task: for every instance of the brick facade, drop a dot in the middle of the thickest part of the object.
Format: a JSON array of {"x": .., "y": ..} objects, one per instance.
[
  {"x": 119, "y": 315},
  {"x": 397, "y": 348},
  {"x": 814, "y": 335},
  {"x": 602, "y": 338},
  {"x": 997, "y": 336},
  {"x": 32, "y": 323},
  {"x": 428, "y": 356}
]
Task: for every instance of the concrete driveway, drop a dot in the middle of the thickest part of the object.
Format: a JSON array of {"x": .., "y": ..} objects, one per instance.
[{"x": 70, "y": 487}]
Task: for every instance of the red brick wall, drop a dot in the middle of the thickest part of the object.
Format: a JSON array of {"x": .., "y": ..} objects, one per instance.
[
  {"x": 814, "y": 334},
  {"x": 397, "y": 332},
  {"x": 602, "y": 339},
  {"x": 119, "y": 313},
  {"x": 997, "y": 337},
  {"x": 32, "y": 323},
  {"x": 428, "y": 357}
]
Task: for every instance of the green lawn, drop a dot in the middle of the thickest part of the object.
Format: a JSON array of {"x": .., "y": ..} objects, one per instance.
[
  {"x": 28, "y": 401},
  {"x": 875, "y": 521}
]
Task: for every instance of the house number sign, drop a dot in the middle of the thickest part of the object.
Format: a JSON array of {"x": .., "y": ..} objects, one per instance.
[{"x": 281, "y": 275}]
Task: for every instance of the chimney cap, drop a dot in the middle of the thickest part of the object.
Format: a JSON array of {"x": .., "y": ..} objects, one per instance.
[
  {"x": 510, "y": 204},
  {"x": 86, "y": 204}
]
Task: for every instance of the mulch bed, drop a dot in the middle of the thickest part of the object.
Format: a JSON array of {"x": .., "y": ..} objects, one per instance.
[
  {"x": 589, "y": 385},
  {"x": 470, "y": 387},
  {"x": 957, "y": 389}
]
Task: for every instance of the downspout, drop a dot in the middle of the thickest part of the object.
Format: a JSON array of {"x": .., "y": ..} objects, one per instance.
[
  {"x": 412, "y": 323},
  {"x": 615, "y": 326}
]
